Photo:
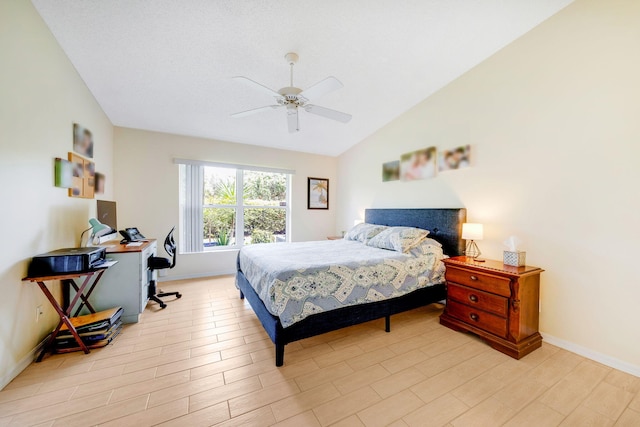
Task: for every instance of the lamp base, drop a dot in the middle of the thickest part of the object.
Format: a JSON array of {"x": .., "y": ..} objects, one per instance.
[
  {"x": 472, "y": 250},
  {"x": 106, "y": 238}
]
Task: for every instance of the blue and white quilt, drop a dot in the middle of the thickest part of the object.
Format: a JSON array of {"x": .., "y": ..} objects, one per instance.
[{"x": 296, "y": 280}]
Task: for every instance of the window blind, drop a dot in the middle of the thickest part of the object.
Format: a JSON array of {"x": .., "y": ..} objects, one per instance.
[{"x": 192, "y": 208}]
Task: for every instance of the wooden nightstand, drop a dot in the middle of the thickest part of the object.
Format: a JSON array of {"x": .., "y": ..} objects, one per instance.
[{"x": 497, "y": 302}]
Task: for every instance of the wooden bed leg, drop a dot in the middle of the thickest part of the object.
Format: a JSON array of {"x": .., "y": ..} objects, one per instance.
[
  {"x": 387, "y": 324},
  {"x": 279, "y": 354},
  {"x": 241, "y": 295}
]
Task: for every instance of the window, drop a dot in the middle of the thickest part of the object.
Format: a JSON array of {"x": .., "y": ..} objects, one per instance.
[{"x": 224, "y": 207}]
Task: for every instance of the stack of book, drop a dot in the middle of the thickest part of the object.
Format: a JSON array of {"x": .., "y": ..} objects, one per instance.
[{"x": 95, "y": 329}]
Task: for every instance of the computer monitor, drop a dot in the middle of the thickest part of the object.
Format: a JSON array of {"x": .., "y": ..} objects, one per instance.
[{"x": 107, "y": 213}]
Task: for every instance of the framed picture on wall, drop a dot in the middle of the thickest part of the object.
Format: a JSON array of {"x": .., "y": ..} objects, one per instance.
[
  {"x": 318, "y": 193},
  {"x": 82, "y": 177}
]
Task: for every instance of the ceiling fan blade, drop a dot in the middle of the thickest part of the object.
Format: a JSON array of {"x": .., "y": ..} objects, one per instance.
[
  {"x": 257, "y": 85},
  {"x": 321, "y": 88},
  {"x": 255, "y": 110},
  {"x": 292, "y": 120},
  {"x": 328, "y": 113}
]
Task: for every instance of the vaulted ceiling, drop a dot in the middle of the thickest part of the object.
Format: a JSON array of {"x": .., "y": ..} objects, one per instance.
[{"x": 167, "y": 65}]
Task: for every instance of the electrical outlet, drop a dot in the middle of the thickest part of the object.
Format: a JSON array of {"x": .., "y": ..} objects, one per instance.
[{"x": 39, "y": 312}]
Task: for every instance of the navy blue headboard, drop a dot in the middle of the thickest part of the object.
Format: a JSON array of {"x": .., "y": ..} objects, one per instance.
[{"x": 445, "y": 225}]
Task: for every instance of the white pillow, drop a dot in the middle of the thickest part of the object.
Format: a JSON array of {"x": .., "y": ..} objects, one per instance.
[
  {"x": 400, "y": 239},
  {"x": 426, "y": 246},
  {"x": 363, "y": 232}
]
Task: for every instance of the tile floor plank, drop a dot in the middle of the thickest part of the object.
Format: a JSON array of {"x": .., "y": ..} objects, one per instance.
[
  {"x": 390, "y": 409},
  {"x": 306, "y": 419},
  {"x": 184, "y": 389},
  {"x": 148, "y": 386},
  {"x": 222, "y": 393},
  {"x": 152, "y": 416},
  {"x": 436, "y": 413},
  {"x": 208, "y": 416},
  {"x": 344, "y": 406}
]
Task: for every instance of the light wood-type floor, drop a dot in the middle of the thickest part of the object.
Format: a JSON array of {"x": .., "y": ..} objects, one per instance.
[{"x": 205, "y": 360}]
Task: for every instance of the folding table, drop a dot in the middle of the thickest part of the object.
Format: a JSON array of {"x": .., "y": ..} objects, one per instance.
[{"x": 91, "y": 279}]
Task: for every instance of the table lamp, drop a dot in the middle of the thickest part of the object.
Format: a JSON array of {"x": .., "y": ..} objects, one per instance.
[
  {"x": 97, "y": 228},
  {"x": 472, "y": 232}
]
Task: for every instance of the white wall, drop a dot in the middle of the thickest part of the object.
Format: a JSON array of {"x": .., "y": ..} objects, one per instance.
[
  {"x": 553, "y": 122},
  {"x": 41, "y": 96},
  {"x": 147, "y": 188}
]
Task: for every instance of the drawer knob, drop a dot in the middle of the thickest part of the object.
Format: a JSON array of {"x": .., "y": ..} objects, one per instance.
[
  {"x": 474, "y": 317},
  {"x": 473, "y": 298},
  {"x": 474, "y": 278}
]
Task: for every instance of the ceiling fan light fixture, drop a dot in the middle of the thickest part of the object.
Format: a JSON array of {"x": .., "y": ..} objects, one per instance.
[{"x": 292, "y": 97}]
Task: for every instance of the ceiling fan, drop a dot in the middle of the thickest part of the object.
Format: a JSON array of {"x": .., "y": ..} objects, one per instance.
[{"x": 293, "y": 99}]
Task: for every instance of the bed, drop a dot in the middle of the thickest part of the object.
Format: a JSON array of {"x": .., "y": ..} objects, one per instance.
[{"x": 445, "y": 226}]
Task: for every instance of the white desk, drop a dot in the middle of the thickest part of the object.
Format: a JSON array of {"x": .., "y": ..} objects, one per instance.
[{"x": 126, "y": 284}]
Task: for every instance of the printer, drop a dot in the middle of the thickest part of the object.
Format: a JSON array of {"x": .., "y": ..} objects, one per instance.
[{"x": 68, "y": 260}]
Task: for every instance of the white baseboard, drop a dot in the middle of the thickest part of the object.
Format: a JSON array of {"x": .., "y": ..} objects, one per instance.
[
  {"x": 593, "y": 355},
  {"x": 22, "y": 364},
  {"x": 197, "y": 276}
]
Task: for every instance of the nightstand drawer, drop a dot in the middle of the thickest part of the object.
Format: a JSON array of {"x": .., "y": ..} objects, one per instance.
[
  {"x": 480, "y": 300},
  {"x": 486, "y": 282},
  {"x": 478, "y": 318}
]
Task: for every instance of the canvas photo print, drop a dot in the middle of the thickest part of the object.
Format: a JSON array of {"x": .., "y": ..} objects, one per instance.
[
  {"x": 100, "y": 180},
  {"x": 420, "y": 164},
  {"x": 63, "y": 171},
  {"x": 82, "y": 141},
  {"x": 391, "y": 171},
  {"x": 457, "y": 158}
]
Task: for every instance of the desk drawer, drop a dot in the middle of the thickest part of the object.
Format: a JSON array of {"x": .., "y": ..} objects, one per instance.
[
  {"x": 480, "y": 300},
  {"x": 478, "y": 318},
  {"x": 473, "y": 279}
]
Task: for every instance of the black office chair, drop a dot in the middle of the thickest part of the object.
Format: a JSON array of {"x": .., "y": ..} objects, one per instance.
[{"x": 160, "y": 263}]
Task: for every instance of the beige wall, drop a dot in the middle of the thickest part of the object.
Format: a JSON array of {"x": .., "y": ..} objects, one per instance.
[
  {"x": 41, "y": 95},
  {"x": 147, "y": 188},
  {"x": 553, "y": 122}
]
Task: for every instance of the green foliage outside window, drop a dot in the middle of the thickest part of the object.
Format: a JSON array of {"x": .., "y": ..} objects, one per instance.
[
  {"x": 261, "y": 236},
  {"x": 259, "y": 189}
]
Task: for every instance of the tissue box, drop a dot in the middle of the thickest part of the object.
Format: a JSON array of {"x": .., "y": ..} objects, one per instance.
[{"x": 516, "y": 259}]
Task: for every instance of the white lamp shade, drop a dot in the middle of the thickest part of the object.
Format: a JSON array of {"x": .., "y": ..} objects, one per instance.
[{"x": 472, "y": 231}]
